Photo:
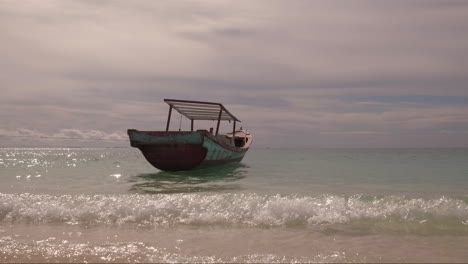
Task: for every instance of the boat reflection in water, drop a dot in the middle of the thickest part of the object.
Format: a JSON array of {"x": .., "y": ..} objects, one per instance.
[{"x": 205, "y": 179}]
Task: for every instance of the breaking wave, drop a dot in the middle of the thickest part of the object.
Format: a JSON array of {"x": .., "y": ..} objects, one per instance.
[{"x": 228, "y": 209}]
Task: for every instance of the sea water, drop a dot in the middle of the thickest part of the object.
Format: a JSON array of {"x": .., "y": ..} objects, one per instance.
[{"x": 277, "y": 205}]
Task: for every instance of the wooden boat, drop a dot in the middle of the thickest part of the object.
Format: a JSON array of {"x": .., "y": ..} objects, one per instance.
[{"x": 185, "y": 150}]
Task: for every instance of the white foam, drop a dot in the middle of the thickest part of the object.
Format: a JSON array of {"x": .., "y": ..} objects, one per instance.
[
  {"x": 116, "y": 175},
  {"x": 224, "y": 209}
]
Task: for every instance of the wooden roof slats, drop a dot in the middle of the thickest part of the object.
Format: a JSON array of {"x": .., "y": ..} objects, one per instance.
[
  {"x": 209, "y": 118},
  {"x": 197, "y": 110}
]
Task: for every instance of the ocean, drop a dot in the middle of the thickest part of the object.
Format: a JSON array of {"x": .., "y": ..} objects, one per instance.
[{"x": 277, "y": 205}]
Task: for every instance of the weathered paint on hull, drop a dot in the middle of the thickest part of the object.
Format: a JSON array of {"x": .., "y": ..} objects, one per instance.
[
  {"x": 217, "y": 153},
  {"x": 173, "y": 151}
]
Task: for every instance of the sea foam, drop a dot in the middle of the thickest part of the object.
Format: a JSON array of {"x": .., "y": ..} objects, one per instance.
[{"x": 226, "y": 209}]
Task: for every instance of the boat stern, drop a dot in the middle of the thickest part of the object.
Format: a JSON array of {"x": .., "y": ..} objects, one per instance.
[{"x": 169, "y": 150}]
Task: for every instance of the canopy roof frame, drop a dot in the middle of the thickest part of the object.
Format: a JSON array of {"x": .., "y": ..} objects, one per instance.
[{"x": 198, "y": 110}]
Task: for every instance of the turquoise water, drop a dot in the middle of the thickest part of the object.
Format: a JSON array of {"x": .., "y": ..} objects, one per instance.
[{"x": 277, "y": 205}]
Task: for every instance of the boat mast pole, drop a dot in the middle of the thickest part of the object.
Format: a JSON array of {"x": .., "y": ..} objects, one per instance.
[
  {"x": 233, "y": 131},
  {"x": 169, "y": 118},
  {"x": 219, "y": 120}
]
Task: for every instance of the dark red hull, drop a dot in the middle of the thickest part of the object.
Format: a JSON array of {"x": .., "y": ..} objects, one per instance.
[{"x": 174, "y": 157}]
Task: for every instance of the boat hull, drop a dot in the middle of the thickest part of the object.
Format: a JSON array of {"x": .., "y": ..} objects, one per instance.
[{"x": 175, "y": 151}]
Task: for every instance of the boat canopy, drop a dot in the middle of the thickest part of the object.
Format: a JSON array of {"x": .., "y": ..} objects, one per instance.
[{"x": 196, "y": 110}]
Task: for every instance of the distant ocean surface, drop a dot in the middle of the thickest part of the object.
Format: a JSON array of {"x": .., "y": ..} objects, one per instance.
[{"x": 277, "y": 205}]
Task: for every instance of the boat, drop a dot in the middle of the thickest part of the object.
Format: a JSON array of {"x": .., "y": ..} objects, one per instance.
[{"x": 185, "y": 150}]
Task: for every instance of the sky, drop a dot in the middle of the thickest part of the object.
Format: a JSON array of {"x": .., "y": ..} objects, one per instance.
[{"x": 355, "y": 73}]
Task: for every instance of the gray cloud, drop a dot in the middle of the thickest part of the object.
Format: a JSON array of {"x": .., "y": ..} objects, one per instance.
[
  {"x": 62, "y": 138},
  {"x": 313, "y": 73}
]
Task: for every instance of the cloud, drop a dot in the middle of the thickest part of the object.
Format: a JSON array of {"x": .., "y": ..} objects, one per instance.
[
  {"x": 319, "y": 73},
  {"x": 23, "y": 137}
]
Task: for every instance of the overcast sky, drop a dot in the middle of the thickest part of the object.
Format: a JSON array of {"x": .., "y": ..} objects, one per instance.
[{"x": 371, "y": 73}]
